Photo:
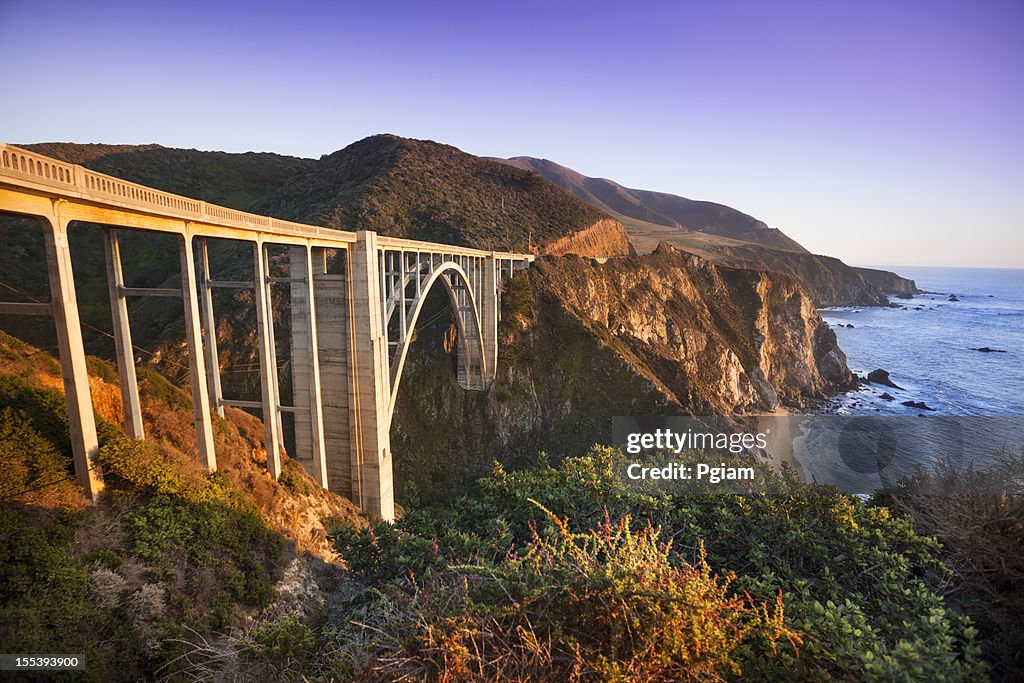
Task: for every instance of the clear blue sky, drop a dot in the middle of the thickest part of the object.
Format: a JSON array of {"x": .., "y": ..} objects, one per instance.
[{"x": 879, "y": 132}]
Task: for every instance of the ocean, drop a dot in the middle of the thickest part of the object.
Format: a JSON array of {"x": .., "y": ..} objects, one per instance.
[{"x": 928, "y": 345}]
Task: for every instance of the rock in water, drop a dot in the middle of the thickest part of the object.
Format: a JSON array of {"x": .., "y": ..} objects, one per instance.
[
  {"x": 887, "y": 397},
  {"x": 920, "y": 405},
  {"x": 952, "y": 297},
  {"x": 880, "y": 376},
  {"x": 986, "y": 349}
]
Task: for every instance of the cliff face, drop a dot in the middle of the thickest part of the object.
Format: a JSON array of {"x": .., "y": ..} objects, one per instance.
[
  {"x": 606, "y": 237},
  {"x": 718, "y": 340},
  {"x": 582, "y": 342},
  {"x": 890, "y": 283},
  {"x": 829, "y": 281}
]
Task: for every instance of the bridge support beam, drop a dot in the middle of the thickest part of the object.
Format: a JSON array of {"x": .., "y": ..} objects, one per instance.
[
  {"x": 209, "y": 330},
  {"x": 81, "y": 422},
  {"x": 306, "y": 392},
  {"x": 489, "y": 317},
  {"x": 196, "y": 367},
  {"x": 130, "y": 403},
  {"x": 268, "y": 366},
  {"x": 372, "y": 417}
]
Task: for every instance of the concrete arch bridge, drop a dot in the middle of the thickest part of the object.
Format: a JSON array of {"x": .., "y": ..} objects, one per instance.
[{"x": 350, "y": 328}]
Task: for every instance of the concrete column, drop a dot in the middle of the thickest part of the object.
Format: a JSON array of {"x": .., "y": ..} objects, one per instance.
[
  {"x": 196, "y": 367},
  {"x": 209, "y": 330},
  {"x": 268, "y": 372},
  {"x": 81, "y": 422},
  {"x": 301, "y": 366},
  {"x": 123, "y": 338},
  {"x": 489, "y": 317},
  {"x": 370, "y": 351},
  {"x": 330, "y": 293},
  {"x": 313, "y": 389}
]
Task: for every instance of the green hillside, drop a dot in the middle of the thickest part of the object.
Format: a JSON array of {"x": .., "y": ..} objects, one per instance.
[{"x": 234, "y": 180}]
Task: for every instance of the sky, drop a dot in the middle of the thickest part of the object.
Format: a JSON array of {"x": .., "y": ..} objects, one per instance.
[{"x": 879, "y": 132}]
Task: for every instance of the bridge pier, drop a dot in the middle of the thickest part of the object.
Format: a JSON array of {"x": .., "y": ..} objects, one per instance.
[
  {"x": 489, "y": 317},
  {"x": 81, "y": 421},
  {"x": 196, "y": 368},
  {"x": 210, "y": 355},
  {"x": 268, "y": 366},
  {"x": 307, "y": 396},
  {"x": 371, "y": 414},
  {"x": 132, "y": 408}
]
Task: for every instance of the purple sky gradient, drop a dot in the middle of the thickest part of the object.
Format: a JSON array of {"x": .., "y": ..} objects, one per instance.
[{"x": 878, "y": 132}]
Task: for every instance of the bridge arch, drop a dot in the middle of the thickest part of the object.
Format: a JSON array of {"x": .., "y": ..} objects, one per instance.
[{"x": 471, "y": 354}]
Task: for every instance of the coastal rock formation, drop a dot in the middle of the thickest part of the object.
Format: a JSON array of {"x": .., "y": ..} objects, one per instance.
[
  {"x": 880, "y": 376},
  {"x": 888, "y": 283}
]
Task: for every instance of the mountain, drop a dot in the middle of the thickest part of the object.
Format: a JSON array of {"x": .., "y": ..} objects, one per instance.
[
  {"x": 724, "y": 235},
  {"x": 647, "y": 214},
  {"x": 425, "y": 190}
]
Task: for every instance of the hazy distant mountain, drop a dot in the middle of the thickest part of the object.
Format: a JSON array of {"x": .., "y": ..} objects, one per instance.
[
  {"x": 648, "y": 214},
  {"x": 724, "y": 235},
  {"x": 425, "y": 190}
]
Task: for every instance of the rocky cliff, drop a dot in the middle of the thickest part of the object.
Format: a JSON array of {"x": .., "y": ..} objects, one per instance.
[
  {"x": 829, "y": 281},
  {"x": 581, "y": 342},
  {"x": 888, "y": 282}
]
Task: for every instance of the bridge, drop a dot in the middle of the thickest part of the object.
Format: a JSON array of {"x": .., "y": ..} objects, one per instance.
[{"x": 352, "y": 318}]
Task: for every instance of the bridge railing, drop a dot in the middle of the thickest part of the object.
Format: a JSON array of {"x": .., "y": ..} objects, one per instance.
[{"x": 71, "y": 180}]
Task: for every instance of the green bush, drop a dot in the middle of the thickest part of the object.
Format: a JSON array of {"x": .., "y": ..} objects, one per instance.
[
  {"x": 608, "y": 604},
  {"x": 44, "y": 600},
  {"x": 27, "y": 460},
  {"x": 860, "y": 587}
]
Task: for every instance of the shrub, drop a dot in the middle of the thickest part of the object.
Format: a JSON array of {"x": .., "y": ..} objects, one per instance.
[
  {"x": 978, "y": 516},
  {"x": 610, "y": 603},
  {"x": 31, "y": 468},
  {"x": 860, "y": 587}
]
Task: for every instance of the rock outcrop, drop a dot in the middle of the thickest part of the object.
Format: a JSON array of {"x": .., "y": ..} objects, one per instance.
[
  {"x": 880, "y": 376},
  {"x": 888, "y": 282},
  {"x": 604, "y": 238}
]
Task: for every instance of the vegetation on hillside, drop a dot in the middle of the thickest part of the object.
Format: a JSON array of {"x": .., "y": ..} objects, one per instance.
[
  {"x": 169, "y": 553},
  {"x": 547, "y": 572},
  {"x": 229, "y": 179},
  {"x": 841, "y": 589}
]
